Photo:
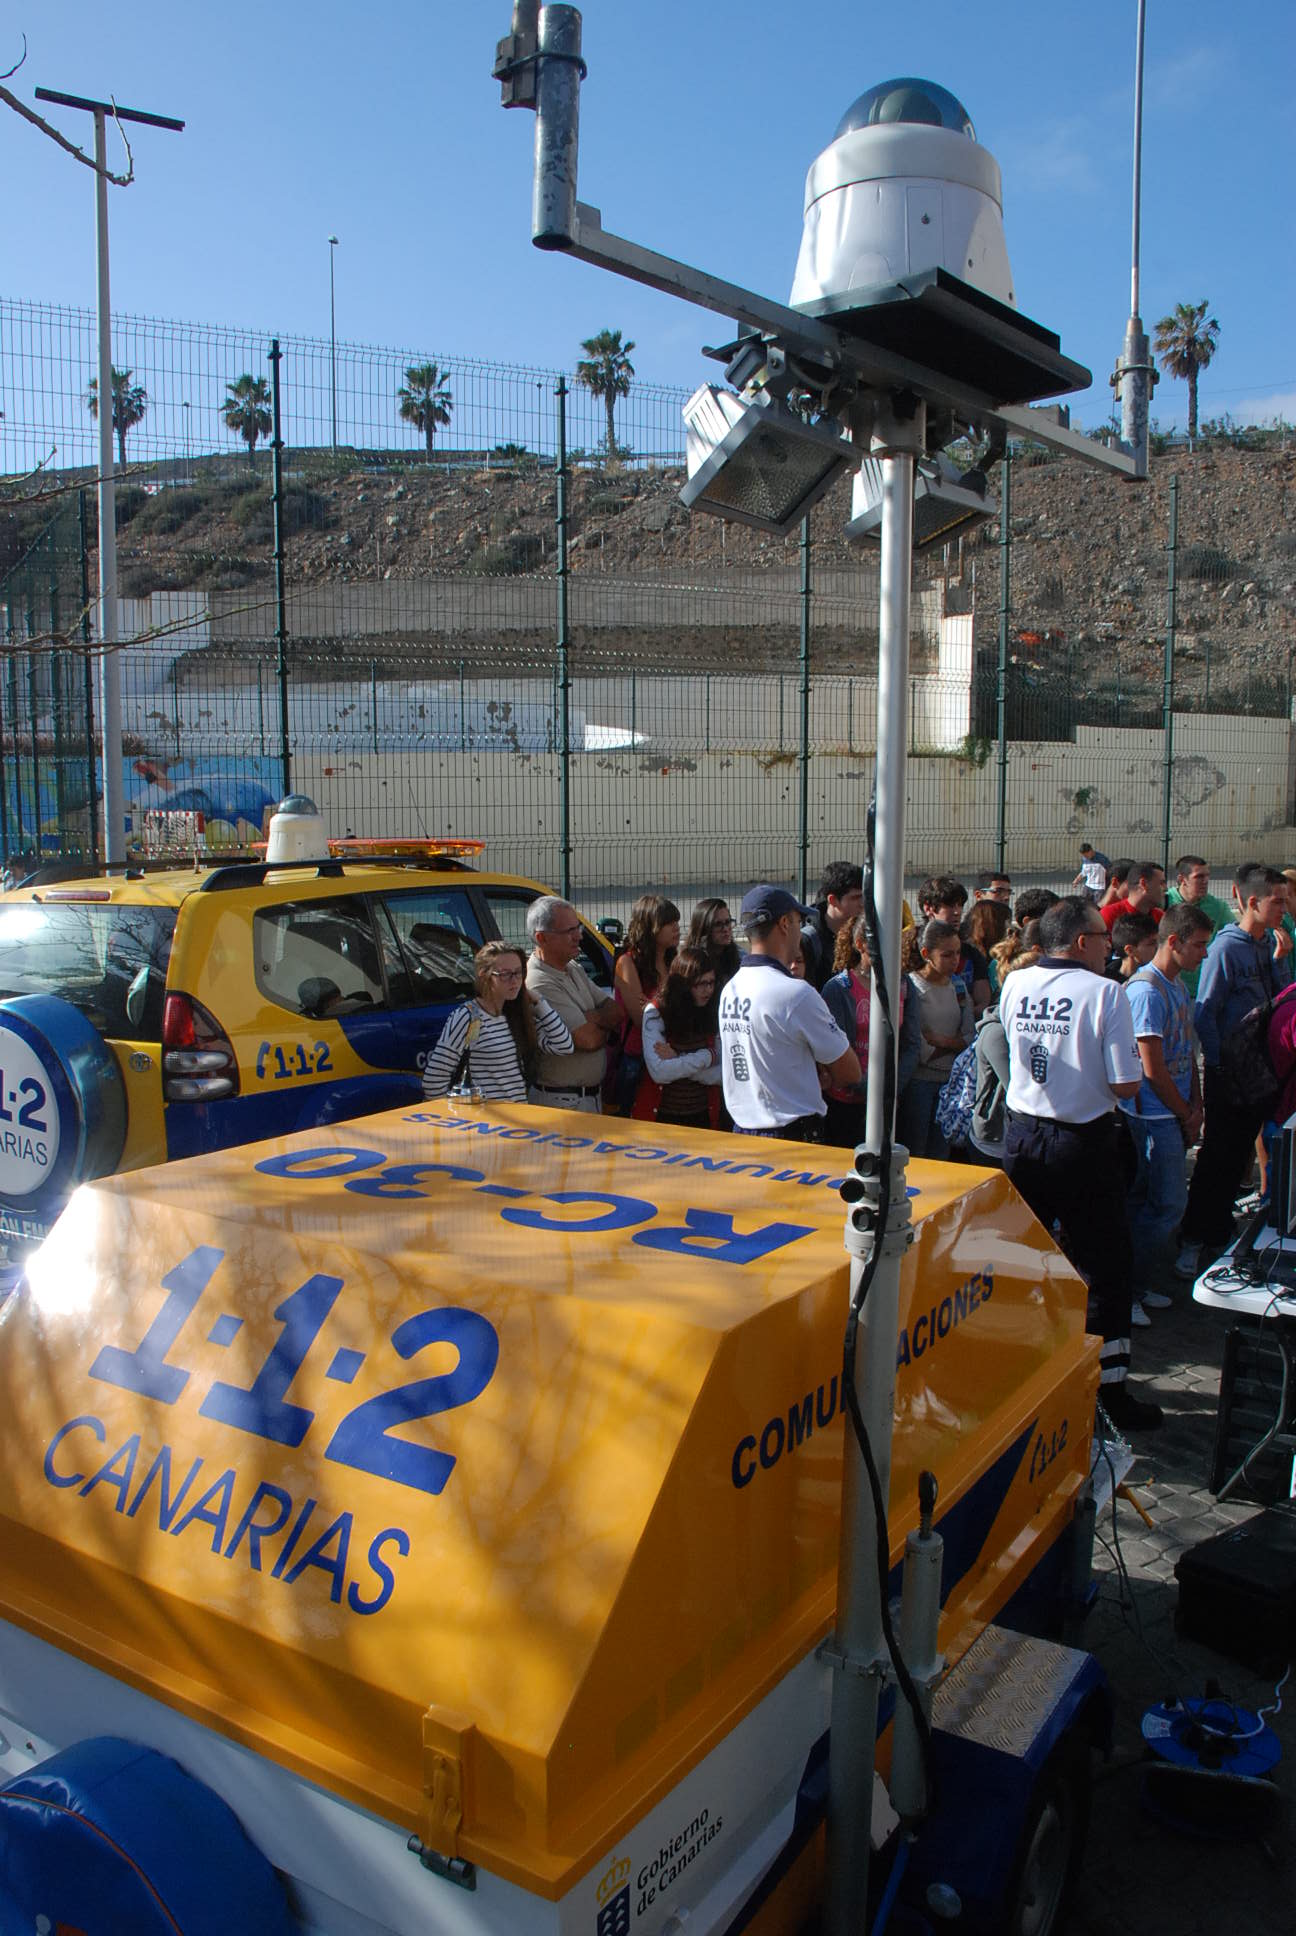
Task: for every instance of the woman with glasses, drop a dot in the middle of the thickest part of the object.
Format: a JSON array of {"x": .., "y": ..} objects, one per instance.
[
  {"x": 681, "y": 1077},
  {"x": 492, "y": 1043},
  {"x": 712, "y": 930}
]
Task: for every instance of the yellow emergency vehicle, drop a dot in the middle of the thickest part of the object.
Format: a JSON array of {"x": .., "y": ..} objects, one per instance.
[
  {"x": 456, "y": 1494},
  {"x": 153, "y": 1016}
]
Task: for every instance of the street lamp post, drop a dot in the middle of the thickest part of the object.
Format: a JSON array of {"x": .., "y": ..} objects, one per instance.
[
  {"x": 333, "y": 242},
  {"x": 114, "y": 792}
]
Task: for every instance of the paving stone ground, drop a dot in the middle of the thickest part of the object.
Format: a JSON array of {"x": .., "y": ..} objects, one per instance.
[{"x": 1139, "y": 1875}]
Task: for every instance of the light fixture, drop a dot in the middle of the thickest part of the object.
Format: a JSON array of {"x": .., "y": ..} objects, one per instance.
[
  {"x": 756, "y": 461},
  {"x": 947, "y": 501}
]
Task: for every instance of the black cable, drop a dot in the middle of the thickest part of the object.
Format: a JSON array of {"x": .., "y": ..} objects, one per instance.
[{"x": 904, "y": 1679}]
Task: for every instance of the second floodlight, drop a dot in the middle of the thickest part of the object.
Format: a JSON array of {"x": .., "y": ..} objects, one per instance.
[
  {"x": 757, "y": 462},
  {"x": 947, "y": 502}
]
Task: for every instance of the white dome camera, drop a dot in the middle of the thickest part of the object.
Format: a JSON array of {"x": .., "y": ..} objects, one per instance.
[{"x": 902, "y": 188}]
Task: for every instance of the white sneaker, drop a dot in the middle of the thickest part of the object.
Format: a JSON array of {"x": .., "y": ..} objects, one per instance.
[
  {"x": 1188, "y": 1262},
  {"x": 1139, "y": 1316},
  {"x": 1155, "y": 1301}
]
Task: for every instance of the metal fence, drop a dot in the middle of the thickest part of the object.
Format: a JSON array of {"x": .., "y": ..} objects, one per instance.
[{"x": 1094, "y": 663}]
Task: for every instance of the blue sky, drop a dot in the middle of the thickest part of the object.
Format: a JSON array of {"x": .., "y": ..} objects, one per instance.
[{"x": 382, "y": 125}]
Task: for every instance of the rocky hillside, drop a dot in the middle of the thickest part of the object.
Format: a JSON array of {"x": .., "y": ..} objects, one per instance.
[{"x": 1088, "y": 557}]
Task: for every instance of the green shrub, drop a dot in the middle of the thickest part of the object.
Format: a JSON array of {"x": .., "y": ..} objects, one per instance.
[
  {"x": 604, "y": 504},
  {"x": 168, "y": 511},
  {"x": 523, "y": 551},
  {"x": 130, "y": 501},
  {"x": 253, "y": 512}
]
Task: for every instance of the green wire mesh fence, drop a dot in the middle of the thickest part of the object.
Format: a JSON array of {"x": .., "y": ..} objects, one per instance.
[{"x": 419, "y": 631}]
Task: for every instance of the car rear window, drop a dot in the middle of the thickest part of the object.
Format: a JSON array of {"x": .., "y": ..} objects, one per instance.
[
  {"x": 108, "y": 961},
  {"x": 317, "y": 958}
]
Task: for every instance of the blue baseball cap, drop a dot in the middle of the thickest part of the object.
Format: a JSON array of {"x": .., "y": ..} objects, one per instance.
[{"x": 763, "y": 904}]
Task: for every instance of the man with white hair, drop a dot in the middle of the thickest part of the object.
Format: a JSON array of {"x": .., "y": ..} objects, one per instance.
[{"x": 573, "y": 1081}]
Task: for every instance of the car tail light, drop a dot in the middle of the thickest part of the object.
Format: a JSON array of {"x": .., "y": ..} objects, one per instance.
[{"x": 198, "y": 1060}]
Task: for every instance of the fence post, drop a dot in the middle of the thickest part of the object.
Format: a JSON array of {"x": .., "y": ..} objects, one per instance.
[
  {"x": 564, "y": 675},
  {"x": 14, "y": 718},
  {"x": 4, "y": 781},
  {"x": 92, "y": 788},
  {"x": 281, "y": 621},
  {"x": 33, "y": 699},
  {"x": 1167, "y": 693},
  {"x": 1001, "y": 686},
  {"x": 56, "y": 707},
  {"x": 373, "y": 700},
  {"x": 803, "y": 824}
]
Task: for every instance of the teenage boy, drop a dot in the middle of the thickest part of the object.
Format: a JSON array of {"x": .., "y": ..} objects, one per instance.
[
  {"x": 1192, "y": 889},
  {"x": 1240, "y": 973},
  {"x": 942, "y": 898},
  {"x": 1165, "y": 1117},
  {"x": 1092, "y": 878},
  {"x": 1145, "y": 888},
  {"x": 1133, "y": 944},
  {"x": 837, "y": 905}
]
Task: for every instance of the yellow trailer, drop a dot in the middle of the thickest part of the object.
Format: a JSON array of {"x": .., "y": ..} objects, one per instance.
[{"x": 456, "y": 1493}]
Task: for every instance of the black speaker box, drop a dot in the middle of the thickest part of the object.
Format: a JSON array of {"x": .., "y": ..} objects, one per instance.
[
  {"x": 1250, "y": 1393},
  {"x": 1237, "y": 1591}
]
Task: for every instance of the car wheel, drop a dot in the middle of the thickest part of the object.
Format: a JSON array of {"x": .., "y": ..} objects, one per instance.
[{"x": 62, "y": 1108}]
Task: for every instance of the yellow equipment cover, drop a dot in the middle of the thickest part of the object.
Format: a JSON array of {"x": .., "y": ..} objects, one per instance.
[{"x": 483, "y": 1463}]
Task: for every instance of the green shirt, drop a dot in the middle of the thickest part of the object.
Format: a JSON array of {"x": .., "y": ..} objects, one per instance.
[{"x": 1218, "y": 912}]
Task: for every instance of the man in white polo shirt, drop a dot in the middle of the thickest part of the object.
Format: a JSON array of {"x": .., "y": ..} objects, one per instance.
[
  {"x": 776, "y": 1030},
  {"x": 1072, "y": 1055}
]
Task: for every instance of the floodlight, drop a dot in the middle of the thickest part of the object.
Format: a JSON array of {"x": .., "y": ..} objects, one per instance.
[
  {"x": 756, "y": 461},
  {"x": 947, "y": 501}
]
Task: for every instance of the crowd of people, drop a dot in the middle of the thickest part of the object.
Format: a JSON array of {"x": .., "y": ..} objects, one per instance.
[{"x": 1085, "y": 1042}]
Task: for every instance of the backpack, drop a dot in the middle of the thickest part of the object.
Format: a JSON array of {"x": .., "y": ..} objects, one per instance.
[
  {"x": 1245, "y": 1066},
  {"x": 957, "y": 1096},
  {"x": 989, "y": 1110}
]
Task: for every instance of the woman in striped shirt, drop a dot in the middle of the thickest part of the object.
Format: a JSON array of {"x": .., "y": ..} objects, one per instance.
[{"x": 495, "y": 1038}]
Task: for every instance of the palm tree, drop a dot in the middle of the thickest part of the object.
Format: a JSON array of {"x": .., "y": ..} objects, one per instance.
[
  {"x": 1185, "y": 343},
  {"x": 425, "y": 400},
  {"x": 246, "y": 410},
  {"x": 129, "y": 402},
  {"x": 606, "y": 370}
]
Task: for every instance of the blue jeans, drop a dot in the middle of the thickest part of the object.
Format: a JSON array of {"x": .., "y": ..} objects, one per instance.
[
  {"x": 916, "y": 1125},
  {"x": 1158, "y": 1196}
]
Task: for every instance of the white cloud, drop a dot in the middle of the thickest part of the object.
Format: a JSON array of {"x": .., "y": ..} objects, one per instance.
[
  {"x": 1059, "y": 157},
  {"x": 1264, "y": 409},
  {"x": 1185, "y": 80}
]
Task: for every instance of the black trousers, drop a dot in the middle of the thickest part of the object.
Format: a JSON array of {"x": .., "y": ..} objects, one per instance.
[
  {"x": 1074, "y": 1173},
  {"x": 1228, "y": 1146}
]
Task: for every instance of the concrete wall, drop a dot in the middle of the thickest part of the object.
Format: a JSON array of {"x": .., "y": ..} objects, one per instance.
[
  {"x": 724, "y": 817},
  {"x": 711, "y": 791}
]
